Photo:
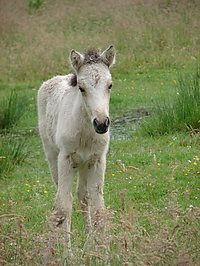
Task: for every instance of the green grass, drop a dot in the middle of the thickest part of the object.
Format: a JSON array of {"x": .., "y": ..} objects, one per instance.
[
  {"x": 149, "y": 201},
  {"x": 180, "y": 112},
  {"x": 152, "y": 185},
  {"x": 146, "y": 36}
]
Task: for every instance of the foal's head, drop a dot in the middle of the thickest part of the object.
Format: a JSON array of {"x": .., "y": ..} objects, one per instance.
[{"x": 94, "y": 83}]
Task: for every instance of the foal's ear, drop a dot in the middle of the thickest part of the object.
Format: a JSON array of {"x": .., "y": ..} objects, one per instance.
[
  {"x": 76, "y": 60},
  {"x": 108, "y": 56}
]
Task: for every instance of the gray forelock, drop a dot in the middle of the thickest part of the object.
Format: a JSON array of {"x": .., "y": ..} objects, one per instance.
[{"x": 91, "y": 56}]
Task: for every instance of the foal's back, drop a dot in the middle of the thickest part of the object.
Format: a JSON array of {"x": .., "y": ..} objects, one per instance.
[{"x": 50, "y": 99}]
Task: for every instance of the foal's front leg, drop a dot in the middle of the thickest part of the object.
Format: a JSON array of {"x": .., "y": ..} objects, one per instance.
[
  {"x": 63, "y": 201},
  {"x": 82, "y": 194},
  {"x": 95, "y": 183}
]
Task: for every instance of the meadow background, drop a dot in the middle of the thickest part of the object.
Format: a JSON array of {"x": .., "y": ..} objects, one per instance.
[{"x": 152, "y": 186}]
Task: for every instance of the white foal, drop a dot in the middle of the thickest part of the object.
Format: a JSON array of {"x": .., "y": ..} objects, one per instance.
[{"x": 74, "y": 127}]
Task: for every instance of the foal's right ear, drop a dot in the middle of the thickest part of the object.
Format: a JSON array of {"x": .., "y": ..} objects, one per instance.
[{"x": 76, "y": 60}]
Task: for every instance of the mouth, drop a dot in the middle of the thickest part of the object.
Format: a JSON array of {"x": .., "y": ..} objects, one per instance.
[{"x": 101, "y": 131}]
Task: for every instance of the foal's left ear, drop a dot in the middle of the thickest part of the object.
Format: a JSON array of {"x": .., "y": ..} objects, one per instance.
[
  {"x": 76, "y": 60},
  {"x": 108, "y": 56}
]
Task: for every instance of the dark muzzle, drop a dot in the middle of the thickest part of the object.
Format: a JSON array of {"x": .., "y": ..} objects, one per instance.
[{"x": 101, "y": 127}]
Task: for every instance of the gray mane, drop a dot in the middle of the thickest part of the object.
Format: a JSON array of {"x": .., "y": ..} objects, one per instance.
[{"x": 73, "y": 80}]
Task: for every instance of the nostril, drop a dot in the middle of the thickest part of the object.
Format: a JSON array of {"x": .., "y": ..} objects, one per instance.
[
  {"x": 107, "y": 122},
  {"x": 101, "y": 127},
  {"x": 95, "y": 122}
]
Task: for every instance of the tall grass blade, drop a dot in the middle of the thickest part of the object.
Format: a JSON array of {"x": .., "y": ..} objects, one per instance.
[
  {"x": 12, "y": 152},
  {"x": 12, "y": 108}
]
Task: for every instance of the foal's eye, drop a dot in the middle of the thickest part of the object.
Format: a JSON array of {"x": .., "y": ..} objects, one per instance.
[
  {"x": 82, "y": 90},
  {"x": 110, "y": 86}
]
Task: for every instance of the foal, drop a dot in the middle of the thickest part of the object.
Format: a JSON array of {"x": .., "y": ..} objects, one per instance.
[{"x": 74, "y": 127}]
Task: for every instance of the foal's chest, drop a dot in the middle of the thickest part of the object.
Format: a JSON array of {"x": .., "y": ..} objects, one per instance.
[{"x": 86, "y": 149}]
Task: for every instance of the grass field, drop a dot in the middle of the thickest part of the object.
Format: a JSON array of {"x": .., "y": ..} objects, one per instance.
[{"x": 152, "y": 185}]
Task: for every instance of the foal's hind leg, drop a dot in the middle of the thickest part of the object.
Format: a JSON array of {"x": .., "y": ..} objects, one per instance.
[{"x": 52, "y": 158}]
